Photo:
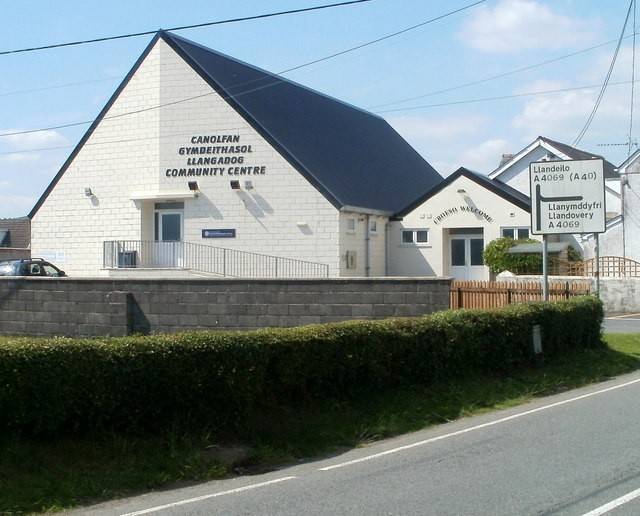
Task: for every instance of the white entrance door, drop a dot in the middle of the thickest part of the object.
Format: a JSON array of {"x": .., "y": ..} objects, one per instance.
[
  {"x": 466, "y": 257},
  {"x": 168, "y": 250}
]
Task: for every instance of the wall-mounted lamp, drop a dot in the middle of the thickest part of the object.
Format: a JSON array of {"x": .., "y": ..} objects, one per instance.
[
  {"x": 193, "y": 186},
  {"x": 248, "y": 185},
  {"x": 462, "y": 191},
  {"x": 88, "y": 192},
  {"x": 235, "y": 185}
]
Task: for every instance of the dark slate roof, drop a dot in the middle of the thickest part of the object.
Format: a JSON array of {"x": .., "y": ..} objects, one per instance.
[
  {"x": 353, "y": 157},
  {"x": 573, "y": 153},
  {"x": 15, "y": 233},
  {"x": 497, "y": 187}
]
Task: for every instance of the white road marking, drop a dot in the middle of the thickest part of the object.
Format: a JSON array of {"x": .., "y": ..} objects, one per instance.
[
  {"x": 623, "y": 316},
  {"x": 206, "y": 497},
  {"x": 615, "y": 503},
  {"x": 477, "y": 427}
]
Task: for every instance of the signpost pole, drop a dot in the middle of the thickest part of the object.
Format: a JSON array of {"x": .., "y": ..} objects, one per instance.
[
  {"x": 545, "y": 269},
  {"x": 597, "y": 268}
]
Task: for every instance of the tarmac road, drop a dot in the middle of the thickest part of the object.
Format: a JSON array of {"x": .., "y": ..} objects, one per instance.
[
  {"x": 572, "y": 454},
  {"x": 622, "y": 323}
]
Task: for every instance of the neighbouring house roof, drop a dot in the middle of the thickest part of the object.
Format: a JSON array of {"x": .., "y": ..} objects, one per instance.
[
  {"x": 536, "y": 248},
  {"x": 562, "y": 149},
  {"x": 634, "y": 155},
  {"x": 497, "y": 187},
  {"x": 15, "y": 233},
  {"x": 353, "y": 157}
]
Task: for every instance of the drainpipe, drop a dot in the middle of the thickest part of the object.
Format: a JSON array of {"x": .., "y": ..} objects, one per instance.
[
  {"x": 367, "y": 250},
  {"x": 386, "y": 248}
]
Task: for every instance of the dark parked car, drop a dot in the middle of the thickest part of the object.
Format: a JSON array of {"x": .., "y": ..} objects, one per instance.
[{"x": 30, "y": 267}]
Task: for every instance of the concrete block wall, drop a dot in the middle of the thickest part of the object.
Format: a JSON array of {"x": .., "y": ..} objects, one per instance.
[
  {"x": 94, "y": 307},
  {"x": 48, "y": 306},
  {"x": 617, "y": 294}
]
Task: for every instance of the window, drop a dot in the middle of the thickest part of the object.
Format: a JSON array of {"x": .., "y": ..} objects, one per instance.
[
  {"x": 415, "y": 236},
  {"x": 373, "y": 227},
  {"x": 351, "y": 225},
  {"x": 516, "y": 233}
]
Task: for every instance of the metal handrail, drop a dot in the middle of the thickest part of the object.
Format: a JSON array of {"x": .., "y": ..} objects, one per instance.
[{"x": 118, "y": 254}]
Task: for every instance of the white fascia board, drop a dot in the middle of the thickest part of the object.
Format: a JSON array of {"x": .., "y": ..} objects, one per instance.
[
  {"x": 159, "y": 196},
  {"x": 623, "y": 166},
  {"x": 612, "y": 192},
  {"x": 523, "y": 153},
  {"x": 366, "y": 211},
  {"x": 515, "y": 159}
]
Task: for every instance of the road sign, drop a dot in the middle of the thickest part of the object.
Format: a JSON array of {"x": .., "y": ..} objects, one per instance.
[{"x": 567, "y": 197}]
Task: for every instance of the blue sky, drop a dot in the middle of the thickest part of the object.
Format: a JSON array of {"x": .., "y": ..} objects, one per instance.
[{"x": 495, "y": 37}]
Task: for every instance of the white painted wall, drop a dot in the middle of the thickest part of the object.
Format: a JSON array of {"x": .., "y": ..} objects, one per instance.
[
  {"x": 517, "y": 174},
  {"x": 433, "y": 258},
  {"x": 282, "y": 215},
  {"x": 71, "y": 227},
  {"x": 355, "y": 241}
]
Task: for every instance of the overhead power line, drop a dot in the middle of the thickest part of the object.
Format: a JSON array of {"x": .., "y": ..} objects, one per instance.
[
  {"x": 388, "y": 36},
  {"x": 183, "y": 27},
  {"x": 467, "y": 101},
  {"x": 391, "y": 103},
  {"x": 498, "y": 76},
  {"x": 500, "y": 97},
  {"x": 592, "y": 115},
  {"x": 241, "y": 93}
]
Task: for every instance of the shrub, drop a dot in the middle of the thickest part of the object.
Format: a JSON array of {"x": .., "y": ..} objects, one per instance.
[
  {"x": 498, "y": 260},
  {"x": 218, "y": 379}
]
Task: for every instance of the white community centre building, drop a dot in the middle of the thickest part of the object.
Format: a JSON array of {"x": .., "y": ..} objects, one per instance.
[{"x": 200, "y": 164}]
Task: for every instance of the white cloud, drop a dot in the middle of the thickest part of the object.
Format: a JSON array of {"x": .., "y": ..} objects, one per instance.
[
  {"x": 562, "y": 116},
  {"x": 16, "y": 205},
  {"x": 32, "y": 140},
  {"x": 443, "y": 129},
  {"x": 20, "y": 157},
  {"x": 486, "y": 156},
  {"x": 513, "y": 25}
]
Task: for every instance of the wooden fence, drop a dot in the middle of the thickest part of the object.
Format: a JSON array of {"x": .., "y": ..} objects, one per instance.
[
  {"x": 494, "y": 294},
  {"x": 610, "y": 267}
]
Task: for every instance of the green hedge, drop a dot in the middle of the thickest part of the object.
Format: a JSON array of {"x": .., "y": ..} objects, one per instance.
[{"x": 48, "y": 387}]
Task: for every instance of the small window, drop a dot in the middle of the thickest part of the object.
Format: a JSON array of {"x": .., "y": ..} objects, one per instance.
[
  {"x": 422, "y": 236},
  {"x": 516, "y": 233},
  {"x": 407, "y": 237},
  {"x": 351, "y": 225},
  {"x": 373, "y": 227},
  {"x": 415, "y": 236}
]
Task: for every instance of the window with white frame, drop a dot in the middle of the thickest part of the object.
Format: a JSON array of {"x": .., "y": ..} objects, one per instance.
[
  {"x": 351, "y": 225},
  {"x": 516, "y": 233},
  {"x": 415, "y": 236},
  {"x": 373, "y": 227}
]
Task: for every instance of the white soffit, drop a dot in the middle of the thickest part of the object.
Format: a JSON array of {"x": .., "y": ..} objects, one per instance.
[{"x": 161, "y": 196}]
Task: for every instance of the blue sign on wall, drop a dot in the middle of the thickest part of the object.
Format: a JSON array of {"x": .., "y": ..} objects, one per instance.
[{"x": 218, "y": 233}]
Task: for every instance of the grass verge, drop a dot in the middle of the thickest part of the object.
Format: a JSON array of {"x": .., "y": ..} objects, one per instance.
[{"x": 45, "y": 476}]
